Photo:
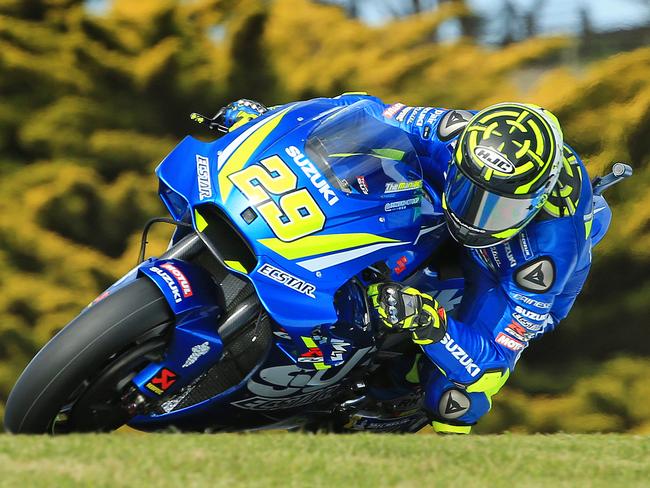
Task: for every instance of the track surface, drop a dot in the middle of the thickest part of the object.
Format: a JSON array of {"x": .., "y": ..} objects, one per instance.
[{"x": 300, "y": 460}]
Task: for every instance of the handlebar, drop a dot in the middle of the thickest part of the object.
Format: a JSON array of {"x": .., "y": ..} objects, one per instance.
[
  {"x": 213, "y": 123},
  {"x": 620, "y": 171}
]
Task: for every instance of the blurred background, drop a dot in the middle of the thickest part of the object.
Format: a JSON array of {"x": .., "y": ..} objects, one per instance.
[{"x": 94, "y": 93}]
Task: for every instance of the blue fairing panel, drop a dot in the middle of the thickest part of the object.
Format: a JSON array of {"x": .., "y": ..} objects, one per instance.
[
  {"x": 368, "y": 188},
  {"x": 602, "y": 219},
  {"x": 195, "y": 344}
]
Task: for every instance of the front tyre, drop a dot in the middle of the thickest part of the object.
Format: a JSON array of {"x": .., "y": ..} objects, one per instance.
[{"x": 78, "y": 374}]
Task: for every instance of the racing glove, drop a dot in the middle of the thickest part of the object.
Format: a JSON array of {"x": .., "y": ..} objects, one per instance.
[
  {"x": 242, "y": 111},
  {"x": 404, "y": 308}
]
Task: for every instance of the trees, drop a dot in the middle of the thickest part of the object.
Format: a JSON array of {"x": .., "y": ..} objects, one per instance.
[{"x": 89, "y": 103}]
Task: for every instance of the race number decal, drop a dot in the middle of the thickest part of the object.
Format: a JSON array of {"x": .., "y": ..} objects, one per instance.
[{"x": 296, "y": 214}]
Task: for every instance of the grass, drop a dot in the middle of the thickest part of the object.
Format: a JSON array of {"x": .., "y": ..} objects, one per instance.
[{"x": 300, "y": 460}]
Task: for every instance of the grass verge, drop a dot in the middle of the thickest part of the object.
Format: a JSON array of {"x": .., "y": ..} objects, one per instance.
[{"x": 300, "y": 460}]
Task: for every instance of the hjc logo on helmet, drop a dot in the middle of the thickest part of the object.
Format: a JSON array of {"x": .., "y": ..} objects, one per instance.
[{"x": 494, "y": 159}]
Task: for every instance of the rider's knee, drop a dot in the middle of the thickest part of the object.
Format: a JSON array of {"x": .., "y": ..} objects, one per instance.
[{"x": 454, "y": 408}]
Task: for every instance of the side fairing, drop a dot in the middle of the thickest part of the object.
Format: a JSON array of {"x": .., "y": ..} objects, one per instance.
[{"x": 305, "y": 236}]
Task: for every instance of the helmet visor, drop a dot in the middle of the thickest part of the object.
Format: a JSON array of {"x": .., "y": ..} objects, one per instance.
[{"x": 481, "y": 212}]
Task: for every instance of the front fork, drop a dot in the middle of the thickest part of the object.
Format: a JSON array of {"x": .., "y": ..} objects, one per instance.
[{"x": 195, "y": 343}]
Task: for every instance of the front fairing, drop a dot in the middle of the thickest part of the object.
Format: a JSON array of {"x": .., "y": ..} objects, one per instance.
[{"x": 297, "y": 273}]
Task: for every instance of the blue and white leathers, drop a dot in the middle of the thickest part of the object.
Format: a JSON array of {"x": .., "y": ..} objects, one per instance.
[{"x": 514, "y": 291}]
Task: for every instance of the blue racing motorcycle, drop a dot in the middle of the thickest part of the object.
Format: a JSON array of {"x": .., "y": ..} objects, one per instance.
[{"x": 256, "y": 315}]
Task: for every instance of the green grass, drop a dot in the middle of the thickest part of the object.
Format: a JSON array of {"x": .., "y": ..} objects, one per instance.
[{"x": 350, "y": 461}]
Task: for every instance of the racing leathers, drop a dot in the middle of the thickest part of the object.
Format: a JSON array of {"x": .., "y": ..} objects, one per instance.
[{"x": 514, "y": 291}]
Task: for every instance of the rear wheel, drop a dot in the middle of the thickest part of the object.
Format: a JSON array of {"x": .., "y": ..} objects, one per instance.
[{"x": 80, "y": 380}]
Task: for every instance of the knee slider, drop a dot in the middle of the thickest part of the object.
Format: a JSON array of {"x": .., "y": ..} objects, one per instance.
[{"x": 460, "y": 407}]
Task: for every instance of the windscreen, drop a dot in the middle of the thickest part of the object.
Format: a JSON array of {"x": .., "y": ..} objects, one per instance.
[{"x": 362, "y": 155}]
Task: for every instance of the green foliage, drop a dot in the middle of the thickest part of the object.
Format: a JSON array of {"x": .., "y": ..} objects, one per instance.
[
  {"x": 610, "y": 399},
  {"x": 90, "y": 103}
]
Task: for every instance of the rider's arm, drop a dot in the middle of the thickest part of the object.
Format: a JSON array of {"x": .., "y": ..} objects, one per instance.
[{"x": 514, "y": 292}]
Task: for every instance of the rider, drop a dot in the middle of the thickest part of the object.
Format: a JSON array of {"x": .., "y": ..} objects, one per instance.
[{"x": 520, "y": 202}]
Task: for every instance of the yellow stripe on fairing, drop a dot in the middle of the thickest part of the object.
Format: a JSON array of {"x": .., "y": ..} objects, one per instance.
[
  {"x": 236, "y": 265},
  {"x": 312, "y": 245},
  {"x": 201, "y": 223},
  {"x": 588, "y": 225},
  {"x": 242, "y": 154}
]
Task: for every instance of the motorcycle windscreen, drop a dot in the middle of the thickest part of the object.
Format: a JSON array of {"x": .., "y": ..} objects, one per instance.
[{"x": 361, "y": 155}]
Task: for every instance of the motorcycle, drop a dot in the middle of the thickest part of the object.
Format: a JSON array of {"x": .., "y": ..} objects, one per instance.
[{"x": 256, "y": 315}]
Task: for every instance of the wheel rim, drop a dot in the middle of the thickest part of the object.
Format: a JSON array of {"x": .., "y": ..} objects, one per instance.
[{"x": 100, "y": 404}]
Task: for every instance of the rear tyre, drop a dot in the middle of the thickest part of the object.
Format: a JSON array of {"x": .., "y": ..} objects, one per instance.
[{"x": 77, "y": 377}]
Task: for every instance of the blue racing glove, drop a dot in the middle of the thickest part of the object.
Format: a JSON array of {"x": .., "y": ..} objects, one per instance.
[{"x": 242, "y": 111}]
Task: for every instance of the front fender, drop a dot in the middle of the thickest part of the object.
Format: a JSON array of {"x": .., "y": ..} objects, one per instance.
[{"x": 195, "y": 346}]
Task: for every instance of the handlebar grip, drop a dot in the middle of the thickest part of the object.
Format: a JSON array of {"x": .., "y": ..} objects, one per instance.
[{"x": 622, "y": 170}]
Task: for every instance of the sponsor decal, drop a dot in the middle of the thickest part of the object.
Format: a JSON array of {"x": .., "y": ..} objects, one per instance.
[
  {"x": 171, "y": 404},
  {"x": 316, "y": 178},
  {"x": 413, "y": 115},
  {"x": 162, "y": 382},
  {"x": 339, "y": 349},
  {"x": 435, "y": 115},
  {"x": 282, "y": 334},
  {"x": 518, "y": 331},
  {"x": 402, "y": 115},
  {"x": 287, "y": 279},
  {"x": 180, "y": 278},
  {"x": 541, "y": 317},
  {"x": 510, "y": 255},
  {"x": 495, "y": 256},
  {"x": 361, "y": 180},
  {"x": 527, "y": 323},
  {"x": 390, "y": 112},
  {"x": 531, "y": 301},
  {"x": 508, "y": 342},
  {"x": 176, "y": 293},
  {"x": 203, "y": 177},
  {"x": 313, "y": 353},
  {"x": 400, "y": 267},
  {"x": 426, "y": 132},
  {"x": 422, "y": 116},
  {"x": 359, "y": 422},
  {"x": 197, "y": 351},
  {"x": 401, "y": 204},
  {"x": 262, "y": 403},
  {"x": 517, "y": 335},
  {"x": 537, "y": 276},
  {"x": 453, "y": 404},
  {"x": 291, "y": 386},
  {"x": 525, "y": 245},
  {"x": 493, "y": 159},
  {"x": 460, "y": 354},
  {"x": 394, "y": 187}
]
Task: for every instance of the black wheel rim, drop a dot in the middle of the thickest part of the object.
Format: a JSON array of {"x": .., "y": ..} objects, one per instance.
[{"x": 99, "y": 404}]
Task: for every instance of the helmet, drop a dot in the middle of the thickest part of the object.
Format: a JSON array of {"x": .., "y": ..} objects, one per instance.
[{"x": 506, "y": 162}]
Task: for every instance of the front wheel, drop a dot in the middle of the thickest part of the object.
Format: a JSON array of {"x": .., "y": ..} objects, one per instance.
[{"x": 77, "y": 382}]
